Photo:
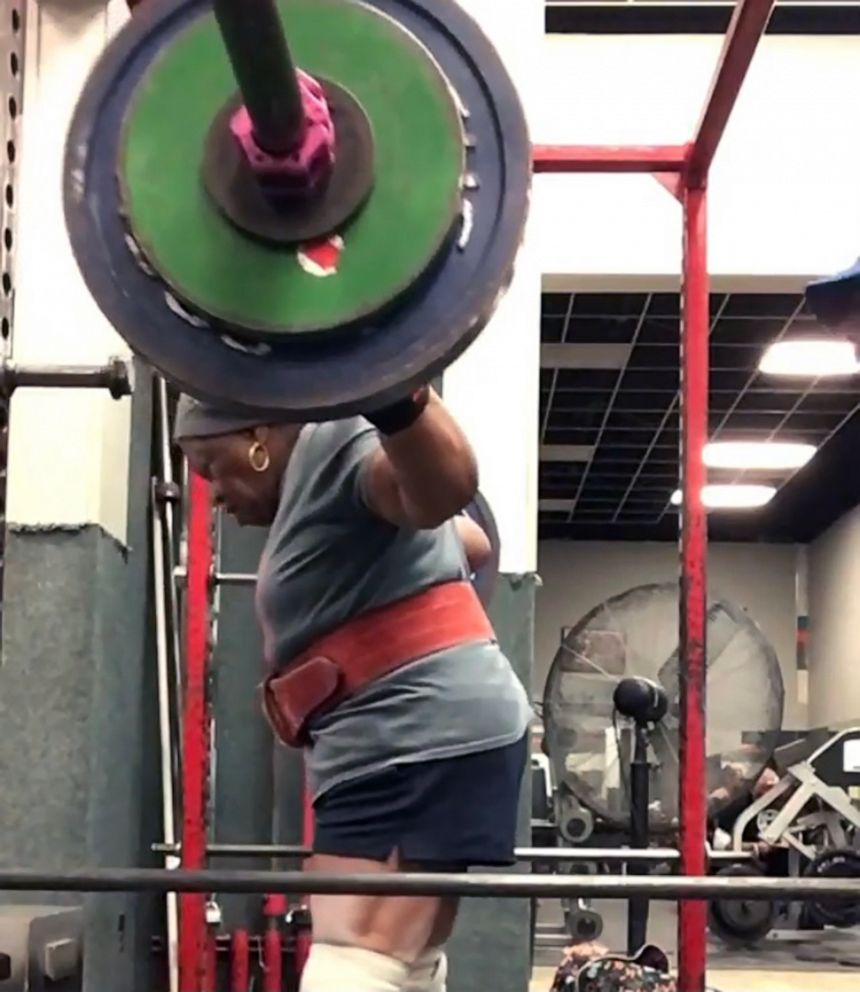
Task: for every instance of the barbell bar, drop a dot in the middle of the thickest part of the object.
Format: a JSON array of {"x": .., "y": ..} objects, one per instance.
[
  {"x": 479, "y": 886},
  {"x": 548, "y": 855},
  {"x": 260, "y": 56},
  {"x": 115, "y": 376},
  {"x": 180, "y": 574}
]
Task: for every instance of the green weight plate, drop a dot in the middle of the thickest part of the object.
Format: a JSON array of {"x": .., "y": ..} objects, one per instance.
[{"x": 221, "y": 273}]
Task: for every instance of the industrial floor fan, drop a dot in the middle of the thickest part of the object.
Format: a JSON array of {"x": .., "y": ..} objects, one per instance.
[{"x": 636, "y": 634}]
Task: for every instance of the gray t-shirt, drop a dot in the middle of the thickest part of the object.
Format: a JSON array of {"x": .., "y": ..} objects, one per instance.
[{"x": 328, "y": 559}]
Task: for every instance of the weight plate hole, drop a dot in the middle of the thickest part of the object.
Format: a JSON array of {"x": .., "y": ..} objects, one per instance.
[
  {"x": 7, "y": 238},
  {"x": 13, "y": 63},
  {"x": 7, "y": 283},
  {"x": 10, "y": 150},
  {"x": 10, "y": 195},
  {"x": 5, "y": 328},
  {"x": 13, "y": 107},
  {"x": 16, "y": 19}
]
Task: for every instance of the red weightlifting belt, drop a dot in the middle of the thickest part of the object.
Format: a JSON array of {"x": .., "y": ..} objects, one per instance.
[{"x": 367, "y": 648}]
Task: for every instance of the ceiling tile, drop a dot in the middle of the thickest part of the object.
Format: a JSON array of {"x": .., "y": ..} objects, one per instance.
[{"x": 632, "y": 417}]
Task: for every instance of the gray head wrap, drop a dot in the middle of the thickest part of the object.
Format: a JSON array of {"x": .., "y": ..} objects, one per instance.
[{"x": 195, "y": 418}]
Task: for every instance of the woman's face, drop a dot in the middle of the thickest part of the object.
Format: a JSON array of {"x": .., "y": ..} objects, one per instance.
[{"x": 249, "y": 495}]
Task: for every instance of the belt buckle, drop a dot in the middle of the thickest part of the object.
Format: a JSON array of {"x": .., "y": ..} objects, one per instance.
[{"x": 292, "y": 697}]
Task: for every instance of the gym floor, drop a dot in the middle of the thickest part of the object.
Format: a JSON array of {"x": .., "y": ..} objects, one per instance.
[
  {"x": 749, "y": 981},
  {"x": 775, "y": 966}
]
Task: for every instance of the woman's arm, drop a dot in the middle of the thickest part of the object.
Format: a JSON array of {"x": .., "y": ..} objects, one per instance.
[
  {"x": 424, "y": 473},
  {"x": 476, "y": 544}
]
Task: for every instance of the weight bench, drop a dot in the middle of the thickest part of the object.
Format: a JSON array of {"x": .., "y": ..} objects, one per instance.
[{"x": 822, "y": 767}]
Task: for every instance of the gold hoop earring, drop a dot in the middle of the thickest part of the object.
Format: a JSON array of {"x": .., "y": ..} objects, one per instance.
[{"x": 258, "y": 457}]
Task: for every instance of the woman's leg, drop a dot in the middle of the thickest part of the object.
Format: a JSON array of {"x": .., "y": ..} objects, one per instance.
[
  {"x": 384, "y": 943},
  {"x": 429, "y": 973},
  {"x": 401, "y": 926}
]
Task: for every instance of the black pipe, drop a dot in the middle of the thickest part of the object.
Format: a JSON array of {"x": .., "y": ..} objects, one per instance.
[
  {"x": 547, "y": 855},
  {"x": 480, "y": 886},
  {"x": 637, "y": 908},
  {"x": 115, "y": 377},
  {"x": 257, "y": 48}
]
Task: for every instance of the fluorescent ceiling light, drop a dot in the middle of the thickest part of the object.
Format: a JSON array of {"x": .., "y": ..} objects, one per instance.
[
  {"x": 717, "y": 497},
  {"x": 758, "y": 454},
  {"x": 810, "y": 358}
]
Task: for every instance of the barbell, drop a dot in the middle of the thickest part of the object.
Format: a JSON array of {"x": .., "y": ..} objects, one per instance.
[
  {"x": 301, "y": 206},
  {"x": 469, "y": 885}
]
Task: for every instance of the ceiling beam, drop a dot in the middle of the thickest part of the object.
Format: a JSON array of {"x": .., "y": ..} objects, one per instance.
[
  {"x": 556, "y": 505},
  {"x": 566, "y": 452},
  {"x": 584, "y": 356}
]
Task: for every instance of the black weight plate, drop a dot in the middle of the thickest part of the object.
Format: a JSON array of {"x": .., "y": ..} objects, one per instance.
[
  {"x": 398, "y": 350},
  {"x": 741, "y": 922},
  {"x": 836, "y": 912}
]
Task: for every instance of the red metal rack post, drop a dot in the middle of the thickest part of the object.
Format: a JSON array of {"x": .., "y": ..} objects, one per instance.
[
  {"x": 692, "y": 916},
  {"x": 240, "y": 961},
  {"x": 194, "y": 969},
  {"x": 690, "y": 164},
  {"x": 744, "y": 33}
]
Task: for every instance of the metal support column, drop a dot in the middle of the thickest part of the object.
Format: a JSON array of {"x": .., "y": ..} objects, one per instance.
[
  {"x": 195, "y": 758},
  {"x": 692, "y": 916}
]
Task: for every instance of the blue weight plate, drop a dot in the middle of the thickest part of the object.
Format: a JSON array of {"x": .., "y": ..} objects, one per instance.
[
  {"x": 484, "y": 580},
  {"x": 346, "y": 375}
]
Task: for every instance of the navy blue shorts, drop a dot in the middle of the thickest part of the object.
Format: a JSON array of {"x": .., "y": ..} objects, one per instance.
[{"x": 447, "y": 814}]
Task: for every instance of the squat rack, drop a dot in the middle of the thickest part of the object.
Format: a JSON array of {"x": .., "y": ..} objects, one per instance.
[{"x": 684, "y": 171}]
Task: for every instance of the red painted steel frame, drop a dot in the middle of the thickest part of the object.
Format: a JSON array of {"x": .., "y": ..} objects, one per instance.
[
  {"x": 692, "y": 916},
  {"x": 240, "y": 961},
  {"x": 597, "y": 158},
  {"x": 193, "y": 971},
  {"x": 274, "y": 911},
  {"x": 690, "y": 164},
  {"x": 744, "y": 33}
]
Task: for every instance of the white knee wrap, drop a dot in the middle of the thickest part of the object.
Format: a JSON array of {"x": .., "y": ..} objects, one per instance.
[
  {"x": 337, "y": 968},
  {"x": 429, "y": 973}
]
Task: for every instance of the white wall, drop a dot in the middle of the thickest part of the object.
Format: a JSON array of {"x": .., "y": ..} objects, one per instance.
[
  {"x": 578, "y": 576},
  {"x": 785, "y": 200},
  {"x": 834, "y": 622},
  {"x": 68, "y": 449},
  {"x": 493, "y": 389}
]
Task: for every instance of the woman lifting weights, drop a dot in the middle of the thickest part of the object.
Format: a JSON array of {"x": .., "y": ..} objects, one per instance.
[{"x": 383, "y": 665}]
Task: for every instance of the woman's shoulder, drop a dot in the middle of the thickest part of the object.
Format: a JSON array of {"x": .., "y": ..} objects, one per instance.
[{"x": 330, "y": 439}]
